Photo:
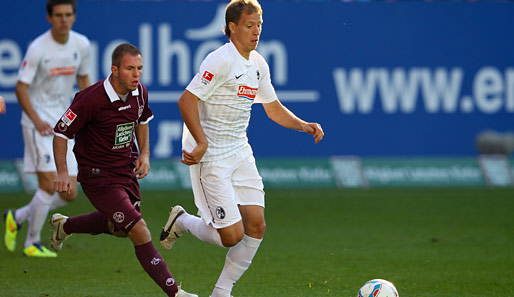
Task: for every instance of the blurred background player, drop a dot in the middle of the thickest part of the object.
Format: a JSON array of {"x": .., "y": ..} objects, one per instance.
[
  {"x": 52, "y": 64},
  {"x": 2, "y": 105},
  {"x": 216, "y": 108},
  {"x": 106, "y": 119}
]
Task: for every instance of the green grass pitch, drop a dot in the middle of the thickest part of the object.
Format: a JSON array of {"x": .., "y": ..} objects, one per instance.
[{"x": 429, "y": 242}]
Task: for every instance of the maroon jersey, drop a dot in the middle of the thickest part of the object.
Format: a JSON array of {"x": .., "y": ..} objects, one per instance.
[{"x": 103, "y": 125}]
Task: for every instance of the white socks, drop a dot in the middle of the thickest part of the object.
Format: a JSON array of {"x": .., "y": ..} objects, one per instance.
[
  {"x": 57, "y": 202},
  {"x": 199, "y": 229},
  {"x": 38, "y": 211},
  {"x": 239, "y": 258}
]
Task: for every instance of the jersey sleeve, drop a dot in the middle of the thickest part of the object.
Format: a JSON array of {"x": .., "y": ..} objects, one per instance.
[
  {"x": 75, "y": 117},
  {"x": 85, "y": 52},
  {"x": 30, "y": 64},
  {"x": 266, "y": 92},
  {"x": 213, "y": 72},
  {"x": 147, "y": 114}
]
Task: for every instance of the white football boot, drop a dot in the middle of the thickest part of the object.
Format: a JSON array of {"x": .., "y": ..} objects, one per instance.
[
  {"x": 182, "y": 293},
  {"x": 58, "y": 236},
  {"x": 170, "y": 231}
]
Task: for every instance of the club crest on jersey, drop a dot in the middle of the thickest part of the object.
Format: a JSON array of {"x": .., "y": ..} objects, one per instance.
[
  {"x": 68, "y": 117},
  {"x": 246, "y": 92},
  {"x": 207, "y": 77}
]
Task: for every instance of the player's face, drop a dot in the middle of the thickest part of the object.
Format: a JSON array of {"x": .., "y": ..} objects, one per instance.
[
  {"x": 128, "y": 75},
  {"x": 61, "y": 19},
  {"x": 245, "y": 34}
]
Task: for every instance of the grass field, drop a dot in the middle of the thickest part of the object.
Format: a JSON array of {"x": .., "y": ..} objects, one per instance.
[{"x": 429, "y": 242}]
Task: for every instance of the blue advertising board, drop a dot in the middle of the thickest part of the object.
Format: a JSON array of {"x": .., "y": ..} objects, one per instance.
[{"x": 384, "y": 79}]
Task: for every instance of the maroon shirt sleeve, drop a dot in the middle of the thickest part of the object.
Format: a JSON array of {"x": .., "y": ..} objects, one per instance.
[
  {"x": 77, "y": 115},
  {"x": 147, "y": 112}
]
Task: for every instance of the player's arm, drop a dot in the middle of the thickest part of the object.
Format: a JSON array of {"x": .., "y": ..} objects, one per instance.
[
  {"x": 22, "y": 94},
  {"x": 2, "y": 105},
  {"x": 83, "y": 81},
  {"x": 284, "y": 117},
  {"x": 188, "y": 105},
  {"x": 143, "y": 142},
  {"x": 62, "y": 181}
]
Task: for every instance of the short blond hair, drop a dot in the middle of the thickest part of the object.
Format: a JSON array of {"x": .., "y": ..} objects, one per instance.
[{"x": 236, "y": 8}]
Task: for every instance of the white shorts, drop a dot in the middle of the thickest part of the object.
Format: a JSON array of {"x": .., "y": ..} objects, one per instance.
[
  {"x": 39, "y": 154},
  {"x": 220, "y": 186}
]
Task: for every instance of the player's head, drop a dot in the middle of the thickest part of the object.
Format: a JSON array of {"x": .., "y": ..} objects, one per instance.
[
  {"x": 127, "y": 68},
  {"x": 243, "y": 24},
  {"x": 235, "y": 9},
  {"x": 52, "y": 3},
  {"x": 61, "y": 15}
]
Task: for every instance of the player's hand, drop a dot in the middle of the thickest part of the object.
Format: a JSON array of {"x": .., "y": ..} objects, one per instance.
[
  {"x": 195, "y": 156},
  {"x": 43, "y": 127},
  {"x": 315, "y": 130},
  {"x": 62, "y": 183},
  {"x": 142, "y": 166}
]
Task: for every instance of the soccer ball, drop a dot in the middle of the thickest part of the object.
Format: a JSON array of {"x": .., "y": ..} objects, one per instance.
[{"x": 378, "y": 288}]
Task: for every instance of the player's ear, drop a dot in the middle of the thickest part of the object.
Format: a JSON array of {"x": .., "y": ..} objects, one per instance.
[
  {"x": 232, "y": 27},
  {"x": 114, "y": 70}
]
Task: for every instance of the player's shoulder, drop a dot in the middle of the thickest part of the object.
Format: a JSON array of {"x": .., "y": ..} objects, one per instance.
[
  {"x": 258, "y": 58},
  {"x": 92, "y": 94},
  {"x": 223, "y": 53},
  {"x": 79, "y": 38},
  {"x": 40, "y": 41}
]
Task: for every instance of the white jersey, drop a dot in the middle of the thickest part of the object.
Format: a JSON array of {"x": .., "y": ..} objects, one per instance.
[
  {"x": 50, "y": 69},
  {"x": 227, "y": 85}
]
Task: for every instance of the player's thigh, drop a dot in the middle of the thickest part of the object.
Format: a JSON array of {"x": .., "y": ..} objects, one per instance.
[
  {"x": 114, "y": 202},
  {"x": 247, "y": 182},
  {"x": 38, "y": 154},
  {"x": 216, "y": 185}
]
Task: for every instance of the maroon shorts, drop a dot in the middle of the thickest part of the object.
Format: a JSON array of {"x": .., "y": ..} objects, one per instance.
[{"x": 115, "y": 194}]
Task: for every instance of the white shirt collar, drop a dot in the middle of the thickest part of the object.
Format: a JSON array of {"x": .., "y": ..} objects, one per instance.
[
  {"x": 113, "y": 96},
  {"x": 241, "y": 58}
]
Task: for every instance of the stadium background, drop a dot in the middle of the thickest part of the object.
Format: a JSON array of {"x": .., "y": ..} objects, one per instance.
[
  {"x": 407, "y": 83},
  {"x": 402, "y": 89}
]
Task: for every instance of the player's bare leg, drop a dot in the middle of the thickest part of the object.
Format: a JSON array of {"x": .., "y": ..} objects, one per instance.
[{"x": 240, "y": 256}]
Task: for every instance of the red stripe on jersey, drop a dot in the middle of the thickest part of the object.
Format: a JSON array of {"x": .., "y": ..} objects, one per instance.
[{"x": 62, "y": 71}]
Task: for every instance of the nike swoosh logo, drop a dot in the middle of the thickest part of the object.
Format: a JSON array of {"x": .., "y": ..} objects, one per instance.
[
  {"x": 47, "y": 60},
  {"x": 237, "y": 77}
]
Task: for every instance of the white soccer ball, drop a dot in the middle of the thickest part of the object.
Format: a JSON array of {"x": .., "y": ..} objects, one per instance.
[{"x": 378, "y": 288}]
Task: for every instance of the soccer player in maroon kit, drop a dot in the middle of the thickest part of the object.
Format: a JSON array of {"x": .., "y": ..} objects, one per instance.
[{"x": 105, "y": 120}]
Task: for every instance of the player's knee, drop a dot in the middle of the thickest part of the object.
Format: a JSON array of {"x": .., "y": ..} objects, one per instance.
[
  {"x": 256, "y": 229},
  {"x": 68, "y": 197},
  {"x": 229, "y": 240}
]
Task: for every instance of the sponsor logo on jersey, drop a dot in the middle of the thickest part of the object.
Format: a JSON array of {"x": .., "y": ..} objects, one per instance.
[
  {"x": 68, "y": 117},
  {"x": 258, "y": 74},
  {"x": 62, "y": 71},
  {"x": 118, "y": 217},
  {"x": 246, "y": 92},
  {"x": 207, "y": 77},
  {"x": 123, "y": 135},
  {"x": 24, "y": 64},
  {"x": 124, "y": 107}
]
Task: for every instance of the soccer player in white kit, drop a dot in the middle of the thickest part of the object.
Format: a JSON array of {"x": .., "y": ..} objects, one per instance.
[
  {"x": 216, "y": 108},
  {"x": 52, "y": 64}
]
